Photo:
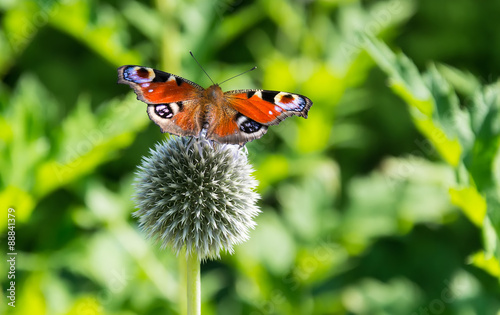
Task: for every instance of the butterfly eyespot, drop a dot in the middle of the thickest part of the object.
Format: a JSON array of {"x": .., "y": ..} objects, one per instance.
[
  {"x": 290, "y": 102},
  {"x": 287, "y": 98},
  {"x": 164, "y": 111},
  {"x": 168, "y": 110},
  {"x": 143, "y": 72},
  {"x": 138, "y": 74},
  {"x": 248, "y": 125}
]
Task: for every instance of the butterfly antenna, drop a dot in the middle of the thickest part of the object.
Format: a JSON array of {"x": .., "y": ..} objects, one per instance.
[
  {"x": 238, "y": 75},
  {"x": 201, "y": 67}
]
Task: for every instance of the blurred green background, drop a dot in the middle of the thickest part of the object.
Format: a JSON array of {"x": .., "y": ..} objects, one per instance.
[{"x": 384, "y": 201}]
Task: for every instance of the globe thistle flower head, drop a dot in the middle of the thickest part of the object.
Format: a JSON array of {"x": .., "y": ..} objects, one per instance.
[{"x": 196, "y": 194}]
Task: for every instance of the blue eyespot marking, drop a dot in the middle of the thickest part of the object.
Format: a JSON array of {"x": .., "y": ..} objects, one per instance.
[{"x": 138, "y": 74}]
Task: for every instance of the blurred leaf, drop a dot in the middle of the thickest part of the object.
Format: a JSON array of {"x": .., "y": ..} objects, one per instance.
[
  {"x": 87, "y": 304},
  {"x": 144, "y": 18},
  {"x": 406, "y": 81},
  {"x": 73, "y": 17},
  {"x": 26, "y": 119},
  {"x": 280, "y": 249},
  {"x": 32, "y": 291},
  {"x": 315, "y": 263},
  {"x": 20, "y": 23},
  {"x": 355, "y": 22},
  {"x": 390, "y": 202},
  {"x": 236, "y": 24},
  {"x": 7, "y": 54},
  {"x": 485, "y": 124},
  {"x": 307, "y": 206},
  {"x": 87, "y": 140},
  {"x": 371, "y": 296},
  {"x": 20, "y": 200},
  {"x": 273, "y": 169},
  {"x": 452, "y": 120},
  {"x": 293, "y": 26},
  {"x": 30, "y": 111},
  {"x": 471, "y": 202},
  {"x": 490, "y": 264},
  {"x": 466, "y": 137},
  {"x": 462, "y": 81}
]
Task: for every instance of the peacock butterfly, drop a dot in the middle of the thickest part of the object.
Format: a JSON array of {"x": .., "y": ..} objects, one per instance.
[{"x": 184, "y": 108}]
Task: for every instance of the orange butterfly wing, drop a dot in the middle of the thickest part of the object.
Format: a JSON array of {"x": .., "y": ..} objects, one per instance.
[
  {"x": 252, "y": 111},
  {"x": 173, "y": 102}
]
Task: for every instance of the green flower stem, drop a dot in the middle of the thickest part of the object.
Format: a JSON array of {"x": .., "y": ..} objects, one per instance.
[
  {"x": 193, "y": 284},
  {"x": 181, "y": 292}
]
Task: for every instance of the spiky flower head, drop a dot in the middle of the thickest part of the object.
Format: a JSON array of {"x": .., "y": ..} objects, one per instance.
[{"x": 196, "y": 194}]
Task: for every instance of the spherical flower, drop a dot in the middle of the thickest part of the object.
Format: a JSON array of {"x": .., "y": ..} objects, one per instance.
[{"x": 196, "y": 194}]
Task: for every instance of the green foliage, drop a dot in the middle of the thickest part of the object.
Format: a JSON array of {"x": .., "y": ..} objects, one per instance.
[
  {"x": 369, "y": 206},
  {"x": 466, "y": 136}
]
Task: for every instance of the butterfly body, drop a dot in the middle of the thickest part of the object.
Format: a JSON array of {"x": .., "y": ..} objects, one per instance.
[{"x": 182, "y": 107}]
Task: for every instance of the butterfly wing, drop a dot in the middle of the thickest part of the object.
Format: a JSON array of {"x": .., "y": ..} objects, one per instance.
[
  {"x": 172, "y": 100},
  {"x": 249, "y": 112},
  {"x": 184, "y": 108}
]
